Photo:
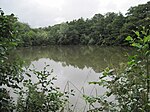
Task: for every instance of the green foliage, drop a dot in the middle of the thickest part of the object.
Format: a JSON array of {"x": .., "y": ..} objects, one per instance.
[
  {"x": 108, "y": 29},
  {"x": 130, "y": 87},
  {"x": 31, "y": 37},
  {"x": 136, "y": 17},
  {"x": 9, "y": 71},
  {"x": 41, "y": 96}
]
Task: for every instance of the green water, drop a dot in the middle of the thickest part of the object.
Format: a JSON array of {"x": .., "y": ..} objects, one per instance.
[{"x": 94, "y": 57}]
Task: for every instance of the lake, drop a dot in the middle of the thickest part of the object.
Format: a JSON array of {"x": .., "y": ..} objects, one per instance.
[{"x": 75, "y": 66}]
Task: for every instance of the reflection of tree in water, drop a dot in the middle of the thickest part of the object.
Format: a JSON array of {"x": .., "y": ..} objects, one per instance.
[{"x": 95, "y": 57}]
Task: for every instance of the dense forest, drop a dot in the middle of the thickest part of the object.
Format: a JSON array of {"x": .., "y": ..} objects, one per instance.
[{"x": 108, "y": 29}]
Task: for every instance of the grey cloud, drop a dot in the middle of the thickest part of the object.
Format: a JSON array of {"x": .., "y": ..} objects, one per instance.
[
  {"x": 49, "y": 12},
  {"x": 79, "y": 8}
]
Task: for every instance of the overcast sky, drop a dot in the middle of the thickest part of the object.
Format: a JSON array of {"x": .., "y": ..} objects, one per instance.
[{"x": 40, "y": 13}]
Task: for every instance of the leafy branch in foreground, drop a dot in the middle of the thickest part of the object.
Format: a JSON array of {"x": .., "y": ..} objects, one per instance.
[
  {"x": 130, "y": 88},
  {"x": 41, "y": 96},
  {"x": 10, "y": 72}
]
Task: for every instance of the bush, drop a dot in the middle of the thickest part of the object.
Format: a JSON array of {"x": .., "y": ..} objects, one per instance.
[{"x": 130, "y": 88}]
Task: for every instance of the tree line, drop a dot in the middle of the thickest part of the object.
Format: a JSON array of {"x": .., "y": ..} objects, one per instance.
[{"x": 108, "y": 29}]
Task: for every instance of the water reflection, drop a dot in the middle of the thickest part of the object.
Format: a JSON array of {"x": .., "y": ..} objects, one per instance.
[
  {"x": 80, "y": 57},
  {"x": 76, "y": 64}
]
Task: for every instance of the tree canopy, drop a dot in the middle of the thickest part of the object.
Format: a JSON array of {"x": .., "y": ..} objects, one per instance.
[{"x": 108, "y": 29}]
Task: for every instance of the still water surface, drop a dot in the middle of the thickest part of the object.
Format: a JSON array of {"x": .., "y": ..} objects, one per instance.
[{"x": 75, "y": 66}]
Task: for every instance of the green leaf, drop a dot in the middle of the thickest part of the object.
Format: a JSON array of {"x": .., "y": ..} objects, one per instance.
[
  {"x": 93, "y": 82},
  {"x": 108, "y": 93},
  {"x": 146, "y": 38},
  {"x": 13, "y": 43},
  {"x": 137, "y": 33},
  {"x": 147, "y": 53},
  {"x": 129, "y": 38},
  {"x": 138, "y": 45},
  {"x": 143, "y": 32},
  {"x": 28, "y": 74}
]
